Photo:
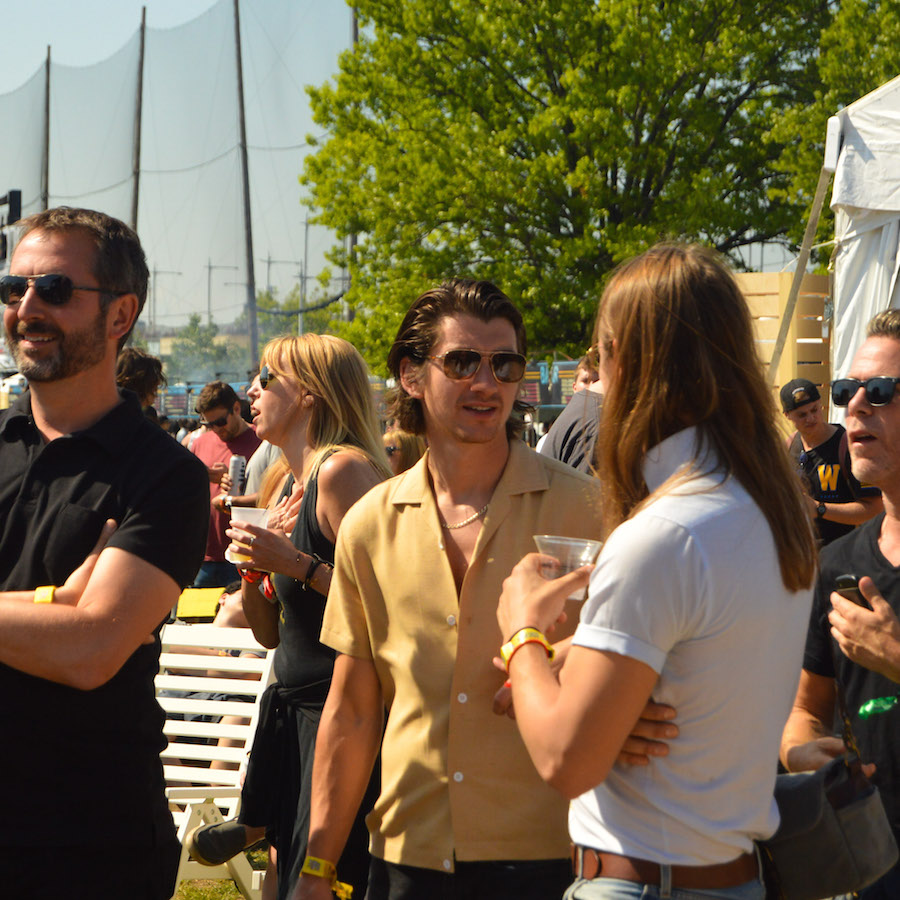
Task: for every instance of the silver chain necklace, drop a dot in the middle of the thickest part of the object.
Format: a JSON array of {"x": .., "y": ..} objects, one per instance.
[{"x": 467, "y": 521}]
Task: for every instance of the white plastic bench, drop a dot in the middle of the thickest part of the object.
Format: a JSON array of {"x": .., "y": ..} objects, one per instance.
[{"x": 198, "y": 793}]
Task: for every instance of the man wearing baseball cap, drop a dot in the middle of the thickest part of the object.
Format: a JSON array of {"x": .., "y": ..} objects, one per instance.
[{"x": 838, "y": 500}]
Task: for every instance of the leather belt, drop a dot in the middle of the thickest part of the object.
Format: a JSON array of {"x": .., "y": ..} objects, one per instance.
[{"x": 589, "y": 863}]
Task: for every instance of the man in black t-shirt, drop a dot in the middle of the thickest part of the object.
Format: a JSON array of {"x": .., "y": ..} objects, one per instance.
[
  {"x": 860, "y": 647},
  {"x": 839, "y": 502},
  {"x": 102, "y": 522}
]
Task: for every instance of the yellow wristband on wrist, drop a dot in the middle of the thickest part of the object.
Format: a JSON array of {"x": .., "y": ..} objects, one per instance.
[
  {"x": 45, "y": 594},
  {"x": 322, "y": 868},
  {"x": 522, "y": 637}
]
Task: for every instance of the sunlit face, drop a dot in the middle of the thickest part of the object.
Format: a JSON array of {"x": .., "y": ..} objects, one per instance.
[
  {"x": 276, "y": 407},
  {"x": 584, "y": 378},
  {"x": 48, "y": 342},
  {"x": 224, "y": 422},
  {"x": 873, "y": 432},
  {"x": 471, "y": 410},
  {"x": 807, "y": 418}
]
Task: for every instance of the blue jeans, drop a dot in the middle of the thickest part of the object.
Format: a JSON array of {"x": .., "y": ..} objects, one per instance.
[{"x": 618, "y": 889}]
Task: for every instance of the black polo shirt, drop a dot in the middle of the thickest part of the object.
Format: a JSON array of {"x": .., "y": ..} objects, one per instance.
[{"x": 82, "y": 767}]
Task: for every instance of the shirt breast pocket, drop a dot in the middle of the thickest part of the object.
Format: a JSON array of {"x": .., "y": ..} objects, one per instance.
[{"x": 71, "y": 537}]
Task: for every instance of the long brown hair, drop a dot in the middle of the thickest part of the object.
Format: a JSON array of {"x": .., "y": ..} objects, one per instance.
[{"x": 678, "y": 339}]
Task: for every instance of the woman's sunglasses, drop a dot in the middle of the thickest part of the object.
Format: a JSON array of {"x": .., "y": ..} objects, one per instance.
[
  {"x": 458, "y": 365},
  {"x": 265, "y": 376},
  {"x": 55, "y": 290},
  {"x": 879, "y": 390}
]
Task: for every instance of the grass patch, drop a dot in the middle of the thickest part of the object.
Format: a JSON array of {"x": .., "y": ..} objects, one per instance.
[{"x": 219, "y": 890}]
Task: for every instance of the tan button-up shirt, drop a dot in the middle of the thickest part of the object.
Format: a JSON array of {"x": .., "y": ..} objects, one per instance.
[{"x": 457, "y": 782}]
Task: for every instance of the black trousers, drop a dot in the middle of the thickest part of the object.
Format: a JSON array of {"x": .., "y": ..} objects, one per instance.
[{"x": 542, "y": 879}]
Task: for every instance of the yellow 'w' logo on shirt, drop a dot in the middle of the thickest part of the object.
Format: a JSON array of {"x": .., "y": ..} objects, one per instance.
[{"x": 828, "y": 476}]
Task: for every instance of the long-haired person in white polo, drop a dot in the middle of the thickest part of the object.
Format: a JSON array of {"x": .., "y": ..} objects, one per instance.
[{"x": 700, "y": 598}]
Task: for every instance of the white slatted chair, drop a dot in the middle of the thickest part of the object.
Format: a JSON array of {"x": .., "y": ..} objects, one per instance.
[{"x": 199, "y": 794}]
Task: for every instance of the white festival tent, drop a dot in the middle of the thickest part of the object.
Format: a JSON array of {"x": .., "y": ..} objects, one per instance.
[{"x": 865, "y": 139}]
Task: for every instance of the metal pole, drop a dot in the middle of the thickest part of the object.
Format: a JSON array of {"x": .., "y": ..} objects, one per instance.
[
  {"x": 802, "y": 261},
  {"x": 245, "y": 176},
  {"x": 136, "y": 151},
  {"x": 300, "y": 323},
  {"x": 45, "y": 172}
]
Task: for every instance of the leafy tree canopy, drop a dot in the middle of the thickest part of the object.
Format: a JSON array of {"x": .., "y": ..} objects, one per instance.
[
  {"x": 859, "y": 51},
  {"x": 538, "y": 144}
]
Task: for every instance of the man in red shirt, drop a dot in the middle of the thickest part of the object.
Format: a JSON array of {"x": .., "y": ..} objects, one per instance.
[{"x": 227, "y": 435}]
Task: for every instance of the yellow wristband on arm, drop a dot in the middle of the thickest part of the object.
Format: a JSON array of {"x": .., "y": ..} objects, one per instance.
[
  {"x": 322, "y": 868},
  {"x": 44, "y": 594},
  {"x": 522, "y": 637}
]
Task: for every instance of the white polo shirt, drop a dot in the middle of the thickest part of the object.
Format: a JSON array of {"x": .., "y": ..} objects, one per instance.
[{"x": 691, "y": 586}]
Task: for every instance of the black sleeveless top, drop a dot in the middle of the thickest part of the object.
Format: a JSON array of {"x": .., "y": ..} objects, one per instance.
[{"x": 300, "y": 660}]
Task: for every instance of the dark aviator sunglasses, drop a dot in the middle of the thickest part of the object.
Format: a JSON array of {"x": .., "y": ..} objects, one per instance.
[
  {"x": 56, "y": 290},
  {"x": 879, "y": 390},
  {"x": 458, "y": 365}
]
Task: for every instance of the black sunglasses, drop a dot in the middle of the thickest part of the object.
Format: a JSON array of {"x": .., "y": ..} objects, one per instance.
[
  {"x": 391, "y": 450},
  {"x": 507, "y": 367},
  {"x": 56, "y": 290},
  {"x": 879, "y": 390},
  {"x": 265, "y": 376},
  {"x": 221, "y": 422}
]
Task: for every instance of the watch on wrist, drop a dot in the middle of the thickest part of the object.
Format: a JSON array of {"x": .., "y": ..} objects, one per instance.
[
  {"x": 821, "y": 509},
  {"x": 227, "y": 502}
]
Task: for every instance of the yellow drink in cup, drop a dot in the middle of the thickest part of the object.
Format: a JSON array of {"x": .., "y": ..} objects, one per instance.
[{"x": 253, "y": 516}]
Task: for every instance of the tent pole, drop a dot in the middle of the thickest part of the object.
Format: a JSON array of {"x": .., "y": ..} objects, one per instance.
[
  {"x": 45, "y": 168},
  {"x": 138, "y": 111},
  {"x": 245, "y": 180},
  {"x": 802, "y": 261}
]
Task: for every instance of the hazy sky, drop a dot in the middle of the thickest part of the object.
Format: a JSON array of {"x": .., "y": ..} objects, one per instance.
[{"x": 79, "y": 32}]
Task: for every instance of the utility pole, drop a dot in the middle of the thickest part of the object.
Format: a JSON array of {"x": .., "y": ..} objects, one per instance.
[
  {"x": 209, "y": 271},
  {"x": 153, "y": 292}
]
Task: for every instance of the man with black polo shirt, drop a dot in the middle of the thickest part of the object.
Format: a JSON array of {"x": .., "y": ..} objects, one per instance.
[
  {"x": 854, "y": 646},
  {"x": 837, "y": 499},
  {"x": 102, "y": 522}
]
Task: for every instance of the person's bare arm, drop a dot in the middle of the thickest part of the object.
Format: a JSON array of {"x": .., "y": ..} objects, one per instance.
[
  {"x": 575, "y": 726},
  {"x": 343, "y": 479},
  {"x": 347, "y": 744},
  {"x": 85, "y": 643},
  {"x": 650, "y": 736},
  {"x": 853, "y": 513},
  {"x": 262, "y": 616},
  {"x": 808, "y": 741}
]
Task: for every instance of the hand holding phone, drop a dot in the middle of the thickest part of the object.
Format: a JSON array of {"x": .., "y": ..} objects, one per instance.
[{"x": 848, "y": 587}]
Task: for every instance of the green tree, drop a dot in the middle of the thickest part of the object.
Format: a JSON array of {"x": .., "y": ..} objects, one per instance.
[
  {"x": 538, "y": 144},
  {"x": 197, "y": 357},
  {"x": 858, "y": 51}
]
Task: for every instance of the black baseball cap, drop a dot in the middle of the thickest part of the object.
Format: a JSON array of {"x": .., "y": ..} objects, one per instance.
[{"x": 797, "y": 393}]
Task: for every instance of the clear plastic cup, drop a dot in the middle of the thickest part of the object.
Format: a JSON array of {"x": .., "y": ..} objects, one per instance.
[
  {"x": 570, "y": 553},
  {"x": 253, "y": 516}
]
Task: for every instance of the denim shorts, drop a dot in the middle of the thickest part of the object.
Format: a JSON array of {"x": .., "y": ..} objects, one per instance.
[{"x": 619, "y": 889}]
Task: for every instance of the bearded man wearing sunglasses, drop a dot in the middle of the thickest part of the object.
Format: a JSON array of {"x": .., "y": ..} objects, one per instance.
[
  {"x": 855, "y": 646},
  {"x": 412, "y": 614},
  {"x": 102, "y": 523}
]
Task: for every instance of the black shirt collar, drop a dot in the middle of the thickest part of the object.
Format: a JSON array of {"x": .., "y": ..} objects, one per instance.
[{"x": 112, "y": 432}]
